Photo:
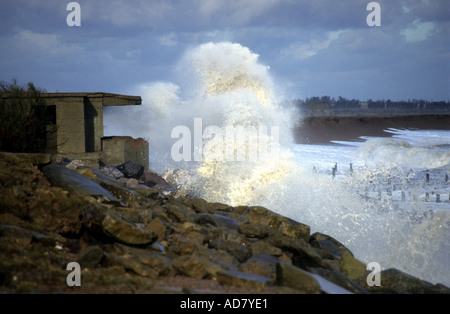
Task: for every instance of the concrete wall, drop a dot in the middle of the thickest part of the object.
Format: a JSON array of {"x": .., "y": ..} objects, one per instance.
[
  {"x": 93, "y": 119},
  {"x": 118, "y": 149},
  {"x": 70, "y": 121},
  {"x": 79, "y": 123}
]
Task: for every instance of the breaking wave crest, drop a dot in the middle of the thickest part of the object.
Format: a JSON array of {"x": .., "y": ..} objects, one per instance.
[
  {"x": 404, "y": 154},
  {"x": 240, "y": 92}
]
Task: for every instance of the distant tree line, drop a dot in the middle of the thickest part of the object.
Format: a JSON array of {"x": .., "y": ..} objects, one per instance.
[{"x": 342, "y": 105}]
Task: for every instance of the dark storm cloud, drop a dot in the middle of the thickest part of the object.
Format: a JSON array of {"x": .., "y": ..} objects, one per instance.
[{"x": 320, "y": 47}]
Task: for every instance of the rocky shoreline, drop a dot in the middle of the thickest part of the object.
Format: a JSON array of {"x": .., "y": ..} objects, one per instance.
[{"x": 134, "y": 231}]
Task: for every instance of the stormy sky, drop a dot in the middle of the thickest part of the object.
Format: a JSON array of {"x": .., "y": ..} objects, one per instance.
[{"x": 313, "y": 48}]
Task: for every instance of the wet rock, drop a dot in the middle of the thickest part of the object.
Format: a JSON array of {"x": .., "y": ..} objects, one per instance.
[
  {"x": 176, "y": 176},
  {"x": 395, "y": 281},
  {"x": 167, "y": 190},
  {"x": 181, "y": 246},
  {"x": 87, "y": 172},
  {"x": 158, "y": 263},
  {"x": 197, "y": 233},
  {"x": 74, "y": 164},
  {"x": 90, "y": 256},
  {"x": 114, "y": 187},
  {"x": 243, "y": 280},
  {"x": 129, "y": 182},
  {"x": 158, "y": 227},
  {"x": 328, "y": 244},
  {"x": 179, "y": 212},
  {"x": 114, "y": 226},
  {"x": 216, "y": 220},
  {"x": 131, "y": 169},
  {"x": 151, "y": 179},
  {"x": 76, "y": 183},
  {"x": 219, "y": 257},
  {"x": 49, "y": 210},
  {"x": 254, "y": 230},
  {"x": 264, "y": 247},
  {"x": 296, "y": 278},
  {"x": 158, "y": 246},
  {"x": 190, "y": 265},
  {"x": 329, "y": 287},
  {"x": 28, "y": 236},
  {"x": 303, "y": 255},
  {"x": 240, "y": 252},
  {"x": 130, "y": 264},
  {"x": 352, "y": 268},
  {"x": 327, "y": 249},
  {"x": 276, "y": 222},
  {"x": 261, "y": 264},
  {"x": 112, "y": 172},
  {"x": 202, "y": 206},
  {"x": 341, "y": 280}
]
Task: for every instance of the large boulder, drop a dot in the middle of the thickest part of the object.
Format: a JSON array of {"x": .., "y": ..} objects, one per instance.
[
  {"x": 76, "y": 183},
  {"x": 244, "y": 280},
  {"x": 276, "y": 222},
  {"x": 352, "y": 267},
  {"x": 296, "y": 278},
  {"x": 116, "y": 227},
  {"x": 328, "y": 246},
  {"x": 151, "y": 179},
  {"x": 261, "y": 264},
  {"x": 131, "y": 169},
  {"x": 396, "y": 281}
]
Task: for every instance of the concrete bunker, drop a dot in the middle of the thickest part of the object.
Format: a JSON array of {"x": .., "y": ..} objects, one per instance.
[{"x": 79, "y": 129}]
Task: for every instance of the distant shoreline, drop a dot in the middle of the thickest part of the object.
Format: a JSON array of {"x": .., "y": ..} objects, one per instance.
[{"x": 323, "y": 129}]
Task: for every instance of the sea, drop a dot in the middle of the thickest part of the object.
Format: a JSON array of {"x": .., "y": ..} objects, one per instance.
[{"x": 386, "y": 198}]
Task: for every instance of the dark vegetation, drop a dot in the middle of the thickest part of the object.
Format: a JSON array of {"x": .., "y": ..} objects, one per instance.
[
  {"x": 341, "y": 105},
  {"x": 24, "y": 118}
]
